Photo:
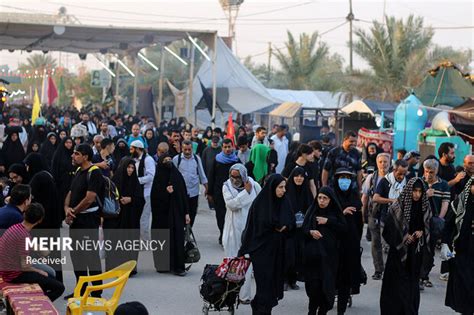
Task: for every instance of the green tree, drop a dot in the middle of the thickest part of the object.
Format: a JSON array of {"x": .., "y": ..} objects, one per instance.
[
  {"x": 392, "y": 50},
  {"x": 301, "y": 59}
]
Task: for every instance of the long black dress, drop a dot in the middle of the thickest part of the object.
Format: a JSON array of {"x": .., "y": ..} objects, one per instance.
[
  {"x": 126, "y": 227},
  {"x": 62, "y": 169},
  {"x": 400, "y": 285},
  {"x": 43, "y": 190},
  {"x": 169, "y": 211},
  {"x": 48, "y": 148},
  {"x": 349, "y": 271},
  {"x": 460, "y": 291},
  {"x": 300, "y": 199},
  {"x": 321, "y": 256},
  {"x": 12, "y": 151},
  {"x": 265, "y": 245}
]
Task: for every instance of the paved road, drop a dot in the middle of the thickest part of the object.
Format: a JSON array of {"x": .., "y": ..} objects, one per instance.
[{"x": 169, "y": 294}]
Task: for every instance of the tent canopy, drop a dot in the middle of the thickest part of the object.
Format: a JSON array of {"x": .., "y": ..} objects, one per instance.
[
  {"x": 311, "y": 99},
  {"x": 445, "y": 85},
  {"x": 17, "y": 33},
  {"x": 237, "y": 88},
  {"x": 370, "y": 107},
  {"x": 286, "y": 110}
]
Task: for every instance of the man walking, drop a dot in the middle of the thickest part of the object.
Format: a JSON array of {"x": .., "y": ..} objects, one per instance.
[
  {"x": 190, "y": 166},
  {"x": 145, "y": 166},
  {"x": 82, "y": 214},
  {"x": 218, "y": 174},
  {"x": 370, "y": 211}
]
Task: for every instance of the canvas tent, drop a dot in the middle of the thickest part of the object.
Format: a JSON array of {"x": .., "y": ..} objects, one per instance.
[
  {"x": 322, "y": 100},
  {"x": 237, "y": 88},
  {"x": 445, "y": 85},
  {"x": 370, "y": 107}
]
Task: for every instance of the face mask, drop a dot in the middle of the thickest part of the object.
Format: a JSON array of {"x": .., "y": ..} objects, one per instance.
[
  {"x": 344, "y": 183},
  {"x": 236, "y": 182}
]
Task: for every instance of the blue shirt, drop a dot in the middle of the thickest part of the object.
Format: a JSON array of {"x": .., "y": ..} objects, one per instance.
[{"x": 9, "y": 216}]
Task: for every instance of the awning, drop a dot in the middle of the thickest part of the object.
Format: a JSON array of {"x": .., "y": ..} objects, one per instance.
[
  {"x": 370, "y": 107},
  {"x": 286, "y": 110},
  {"x": 16, "y": 33}
]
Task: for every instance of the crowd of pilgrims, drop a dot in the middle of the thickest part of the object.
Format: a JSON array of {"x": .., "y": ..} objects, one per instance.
[{"x": 297, "y": 210}]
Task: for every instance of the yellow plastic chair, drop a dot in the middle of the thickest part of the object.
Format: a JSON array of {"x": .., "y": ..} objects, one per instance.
[{"x": 79, "y": 304}]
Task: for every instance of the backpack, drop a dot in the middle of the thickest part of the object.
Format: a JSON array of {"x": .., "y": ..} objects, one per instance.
[
  {"x": 195, "y": 158},
  {"x": 109, "y": 205}
]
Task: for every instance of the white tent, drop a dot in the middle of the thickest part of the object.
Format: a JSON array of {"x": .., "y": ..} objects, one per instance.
[
  {"x": 237, "y": 88},
  {"x": 322, "y": 100}
]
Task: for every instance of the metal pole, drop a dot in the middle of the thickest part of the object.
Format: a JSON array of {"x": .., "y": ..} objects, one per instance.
[
  {"x": 214, "y": 82},
  {"x": 160, "y": 84},
  {"x": 350, "y": 18},
  {"x": 189, "y": 111},
  {"x": 269, "y": 61},
  {"x": 117, "y": 85},
  {"x": 135, "y": 83}
]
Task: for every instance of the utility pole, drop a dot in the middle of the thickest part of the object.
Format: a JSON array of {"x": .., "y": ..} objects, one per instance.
[
  {"x": 350, "y": 18},
  {"x": 269, "y": 68}
]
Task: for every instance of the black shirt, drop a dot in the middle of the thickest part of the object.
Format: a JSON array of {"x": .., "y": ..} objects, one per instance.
[
  {"x": 291, "y": 166},
  {"x": 446, "y": 172},
  {"x": 338, "y": 157},
  {"x": 383, "y": 189},
  {"x": 85, "y": 181}
]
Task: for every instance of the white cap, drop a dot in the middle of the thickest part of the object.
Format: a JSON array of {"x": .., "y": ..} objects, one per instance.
[{"x": 137, "y": 144}]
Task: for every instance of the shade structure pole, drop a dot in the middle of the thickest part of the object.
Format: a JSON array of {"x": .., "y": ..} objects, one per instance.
[
  {"x": 117, "y": 85},
  {"x": 135, "y": 86},
  {"x": 160, "y": 84},
  {"x": 189, "y": 111},
  {"x": 214, "y": 82}
]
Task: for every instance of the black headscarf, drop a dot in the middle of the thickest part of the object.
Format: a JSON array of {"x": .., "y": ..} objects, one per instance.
[
  {"x": 119, "y": 152},
  {"x": 163, "y": 202},
  {"x": 370, "y": 160},
  {"x": 333, "y": 207},
  {"x": 62, "y": 160},
  {"x": 19, "y": 169},
  {"x": 152, "y": 143},
  {"x": 12, "y": 151},
  {"x": 161, "y": 137},
  {"x": 36, "y": 163},
  {"x": 48, "y": 149},
  {"x": 349, "y": 198},
  {"x": 266, "y": 213},
  {"x": 300, "y": 196},
  {"x": 126, "y": 185},
  {"x": 30, "y": 147}
]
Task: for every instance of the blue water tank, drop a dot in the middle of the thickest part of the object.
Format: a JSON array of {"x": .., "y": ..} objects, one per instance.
[{"x": 410, "y": 118}]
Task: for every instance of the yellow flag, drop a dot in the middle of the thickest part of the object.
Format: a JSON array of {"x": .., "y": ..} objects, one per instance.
[{"x": 36, "y": 108}]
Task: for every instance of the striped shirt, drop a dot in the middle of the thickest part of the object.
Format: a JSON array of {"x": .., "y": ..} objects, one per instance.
[
  {"x": 442, "y": 194},
  {"x": 13, "y": 243}
]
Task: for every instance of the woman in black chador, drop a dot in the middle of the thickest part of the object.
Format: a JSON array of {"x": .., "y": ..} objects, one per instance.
[
  {"x": 459, "y": 232},
  {"x": 269, "y": 220},
  {"x": 127, "y": 224},
  {"x": 62, "y": 168},
  {"x": 299, "y": 193},
  {"x": 169, "y": 208},
  {"x": 406, "y": 231},
  {"x": 323, "y": 226},
  {"x": 349, "y": 270}
]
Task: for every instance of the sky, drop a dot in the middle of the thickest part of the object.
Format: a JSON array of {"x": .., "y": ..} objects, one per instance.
[{"x": 259, "y": 21}]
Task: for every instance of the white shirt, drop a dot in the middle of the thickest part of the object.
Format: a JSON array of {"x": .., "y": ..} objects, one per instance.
[
  {"x": 281, "y": 146},
  {"x": 149, "y": 173}
]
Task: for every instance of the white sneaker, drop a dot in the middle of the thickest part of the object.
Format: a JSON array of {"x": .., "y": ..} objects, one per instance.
[{"x": 444, "y": 276}]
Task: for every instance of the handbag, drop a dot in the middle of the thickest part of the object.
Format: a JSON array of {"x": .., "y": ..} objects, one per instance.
[
  {"x": 191, "y": 251},
  {"x": 233, "y": 269},
  {"x": 299, "y": 218}
]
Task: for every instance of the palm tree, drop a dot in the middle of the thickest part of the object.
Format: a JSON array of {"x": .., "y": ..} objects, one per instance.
[
  {"x": 394, "y": 51},
  {"x": 40, "y": 61},
  {"x": 301, "y": 59}
]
